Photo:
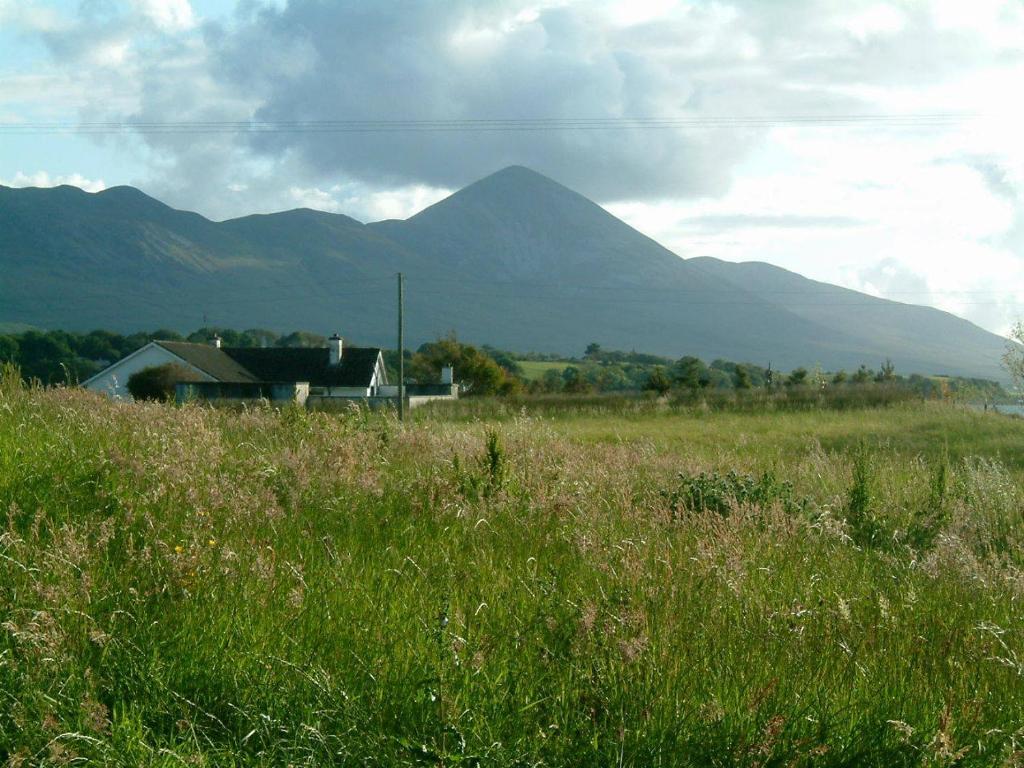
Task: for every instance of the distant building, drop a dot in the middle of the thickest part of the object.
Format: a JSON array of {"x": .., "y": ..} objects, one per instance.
[{"x": 304, "y": 375}]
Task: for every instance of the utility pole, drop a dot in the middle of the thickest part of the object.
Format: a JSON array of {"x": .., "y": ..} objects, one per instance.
[{"x": 401, "y": 348}]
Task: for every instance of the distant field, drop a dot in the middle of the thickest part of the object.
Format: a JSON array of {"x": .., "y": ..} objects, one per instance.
[
  {"x": 617, "y": 583},
  {"x": 535, "y": 369}
]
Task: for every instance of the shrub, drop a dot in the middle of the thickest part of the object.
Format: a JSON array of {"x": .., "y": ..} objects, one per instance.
[
  {"x": 157, "y": 382},
  {"x": 714, "y": 492},
  {"x": 865, "y": 527}
]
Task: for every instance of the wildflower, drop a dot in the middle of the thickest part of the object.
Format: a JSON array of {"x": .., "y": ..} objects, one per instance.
[
  {"x": 179, "y": 549},
  {"x": 844, "y": 609},
  {"x": 212, "y": 542}
]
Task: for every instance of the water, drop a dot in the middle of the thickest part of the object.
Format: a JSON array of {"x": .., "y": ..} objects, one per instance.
[{"x": 1013, "y": 410}]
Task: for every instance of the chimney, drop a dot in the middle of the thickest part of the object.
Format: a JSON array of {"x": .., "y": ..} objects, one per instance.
[
  {"x": 216, "y": 341},
  {"x": 447, "y": 374},
  {"x": 334, "y": 344}
]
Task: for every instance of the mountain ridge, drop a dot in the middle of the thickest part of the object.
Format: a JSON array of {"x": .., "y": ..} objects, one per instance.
[{"x": 514, "y": 259}]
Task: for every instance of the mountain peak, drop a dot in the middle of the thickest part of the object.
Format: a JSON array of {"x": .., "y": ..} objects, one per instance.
[
  {"x": 513, "y": 193},
  {"x": 517, "y": 177}
]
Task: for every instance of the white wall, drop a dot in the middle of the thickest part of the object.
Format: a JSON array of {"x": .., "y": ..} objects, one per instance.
[
  {"x": 114, "y": 380},
  {"x": 346, "y": 392}
]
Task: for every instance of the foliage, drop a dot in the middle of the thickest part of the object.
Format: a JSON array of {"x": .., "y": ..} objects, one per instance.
[
  {"x": 1013, "y": 358},
  {"x": 887, "y": 372},
  {"x": 865, "y": 527},
  {"x": 476, "y": 371},
  {"x": 797, "y": 377},
  {"x": 58, "y": 357},
  {"x": 714, "y": 492},
  {"x": 742, "y": 380},
  {"x": 182, "y": 585},
  {"x": 157, "y": 382},
  {"x": 691, "y": 372},
  {"x": 658, "y": 381},
  {"x": 55, "y": 357}
]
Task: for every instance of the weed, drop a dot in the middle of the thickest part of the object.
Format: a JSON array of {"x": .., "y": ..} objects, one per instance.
[
  {"x": 271, "y": 587},
  {"x": 721, "y": 493},
  {"x": 866, "y": 528}
]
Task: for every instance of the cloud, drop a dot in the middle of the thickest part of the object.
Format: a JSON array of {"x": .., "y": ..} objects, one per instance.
[
  {"x": 170, "y": 15},
  {"x": 456, "y": 60},
  {"x": 44, "y": 179},
  {"x": 726, "y": 221},
  {"x": 874, "y": 207}
]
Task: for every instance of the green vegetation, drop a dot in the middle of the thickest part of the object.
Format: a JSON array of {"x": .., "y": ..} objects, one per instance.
[
  {"x": 612, "y": 371},
  {"x": 57, "y": 357},
  {"x": 158, "y": 381},
  {"x": 513, "y": 260},
  {"x": 1013, "y": 359},
  {"x": 60, "y": 357},
  {"x": 621, "y": 582}
]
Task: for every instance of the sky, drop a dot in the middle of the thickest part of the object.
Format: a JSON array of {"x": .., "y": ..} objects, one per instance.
[{"x": 799, "y": 133}]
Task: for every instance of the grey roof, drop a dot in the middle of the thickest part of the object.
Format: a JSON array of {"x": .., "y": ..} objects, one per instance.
[
  {"x": 280, "y": 364},
  {"x": 209, "y": 360}
]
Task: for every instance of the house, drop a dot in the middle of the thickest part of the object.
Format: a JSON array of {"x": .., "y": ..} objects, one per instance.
[{"x": 305, "y": 375}]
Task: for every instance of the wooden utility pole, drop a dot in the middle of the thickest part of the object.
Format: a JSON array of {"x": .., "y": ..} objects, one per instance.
[{"x": 401, "y": 348}]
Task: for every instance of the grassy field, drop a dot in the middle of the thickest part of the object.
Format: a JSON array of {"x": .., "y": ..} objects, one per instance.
[
  {"x": 534, "y": 370},
  {"x": 648, "y": 587}
]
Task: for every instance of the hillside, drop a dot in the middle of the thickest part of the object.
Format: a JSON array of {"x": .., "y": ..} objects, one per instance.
[{"x": 515, "y": 260}]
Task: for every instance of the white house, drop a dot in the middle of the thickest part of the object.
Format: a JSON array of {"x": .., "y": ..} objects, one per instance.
[
  {"x": 335, "y": 371},
  {"x": 313, "y": 375}
]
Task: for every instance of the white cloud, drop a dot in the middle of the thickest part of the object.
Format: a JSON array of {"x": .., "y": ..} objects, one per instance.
[
  {"x": 44, "y": 179},
  {"x": 876, "y": 20},
  {"x": 168, "y": 15},
  {"x": 925, "y": 213},
  {"x": 29, "y": 16}
]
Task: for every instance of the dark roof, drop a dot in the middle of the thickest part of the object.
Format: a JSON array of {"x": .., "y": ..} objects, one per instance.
[
  {"x": 308, "y": 364},
  {"x": 209, "y": 360},
  {"x": 280, "y": 364}
]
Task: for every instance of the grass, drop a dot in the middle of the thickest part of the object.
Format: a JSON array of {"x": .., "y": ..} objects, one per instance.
[
  {"x": 534, "y": 370},
  {"x": 186, "y": 585}
]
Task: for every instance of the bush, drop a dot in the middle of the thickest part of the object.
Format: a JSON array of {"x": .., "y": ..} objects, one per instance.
[
  {"x": 157, "y": 382},
  {"x": 714, "y": 492}
]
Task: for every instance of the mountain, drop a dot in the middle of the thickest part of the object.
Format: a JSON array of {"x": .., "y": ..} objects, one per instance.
[{"x": 515, "y": 260}]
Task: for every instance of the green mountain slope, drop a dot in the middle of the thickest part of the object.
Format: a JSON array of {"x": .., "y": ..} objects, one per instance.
[{"x": 515, "y": 260}]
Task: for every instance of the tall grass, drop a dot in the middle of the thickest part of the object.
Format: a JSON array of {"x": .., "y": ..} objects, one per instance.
[
  {"x": 187, "y": 585},
  {"x": 679, "y": 402}
]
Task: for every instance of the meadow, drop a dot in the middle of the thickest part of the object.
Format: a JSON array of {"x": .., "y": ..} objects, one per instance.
[{"x": 638, "y": 583}]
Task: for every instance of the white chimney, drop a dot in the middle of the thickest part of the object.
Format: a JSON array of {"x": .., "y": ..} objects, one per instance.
[
  {"x": 447, "y": 374},
  {"x": 334, "y": 344},
  {"x": 216, "y": 341}
]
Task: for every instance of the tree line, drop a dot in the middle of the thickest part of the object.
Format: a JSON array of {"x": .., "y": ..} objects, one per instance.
[{"x": 61, "y": 357}]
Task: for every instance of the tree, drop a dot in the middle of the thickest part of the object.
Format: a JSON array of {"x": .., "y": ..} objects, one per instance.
[
  {"x": 742, "y": 377},
  {"x": 551, "y": 381},
  {"x": 862, "y": 375},
  {"x": 887, "y": 372},
  {"x": 691, "y": 372},
  {"x": 797, "y": 377},
  {"x": 658, "y": 381},
  {"x": 1013, "y": 358},
  {"x": 477, "y": 373},
  {"x": 157, "y": 381},
  {"x": 45, "y": 356},
  {"x": 505, "y": 359},
  {"x": 839, "y": 377},
  {"x": 573, "y": 381},
  {"x": 8, "y": 349},
  {"x": 593, "y": 350},
  {"x": 99, "y": 345},
  {"x": 301, "y": 339}
]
